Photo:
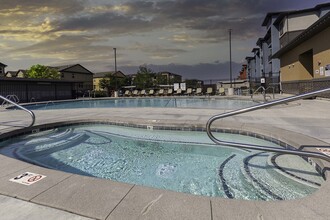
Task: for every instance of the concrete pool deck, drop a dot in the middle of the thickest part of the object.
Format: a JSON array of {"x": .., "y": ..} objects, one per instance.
[{"x": 69, "y": 196}]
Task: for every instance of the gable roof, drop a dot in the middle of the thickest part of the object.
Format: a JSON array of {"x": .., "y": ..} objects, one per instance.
[
  {"x": 112, "y": 73},
  {"x": 21, "y": 70},
  {"x": 286, "y": 13},
  {"x": 12, "y": 73},
  {"x": 2, "y": 64},
  {"x": 282, "y": 14},
  {"x": 169, "y": 73},
  {"x": 268, "y": 17},
  {"x": 66, "y": 68}
]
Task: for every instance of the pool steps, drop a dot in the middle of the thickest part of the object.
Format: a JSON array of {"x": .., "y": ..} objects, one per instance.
[{"x": 259, "y": 178}]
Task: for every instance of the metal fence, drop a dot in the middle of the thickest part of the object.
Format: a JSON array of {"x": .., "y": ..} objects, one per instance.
[{"x": 36, "y": 90}]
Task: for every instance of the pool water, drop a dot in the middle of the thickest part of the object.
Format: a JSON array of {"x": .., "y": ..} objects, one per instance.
[
  {"x": 146, "y": 102},
  {"x": 174, "y": 160}
]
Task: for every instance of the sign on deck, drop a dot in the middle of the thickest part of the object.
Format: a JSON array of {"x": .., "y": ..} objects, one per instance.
[{"x": 27, "y": 178}]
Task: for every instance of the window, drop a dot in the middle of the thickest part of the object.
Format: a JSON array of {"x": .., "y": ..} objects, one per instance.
[{"x": 72, "y": 75}]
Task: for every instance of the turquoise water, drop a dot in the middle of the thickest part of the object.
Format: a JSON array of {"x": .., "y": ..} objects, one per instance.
[
  {"x": 146, "y": 102},
  {"x": 174, "y": 160}
]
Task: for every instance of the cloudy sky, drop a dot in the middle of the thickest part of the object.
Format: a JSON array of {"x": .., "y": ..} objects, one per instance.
[{"x": 187, "y": 37}]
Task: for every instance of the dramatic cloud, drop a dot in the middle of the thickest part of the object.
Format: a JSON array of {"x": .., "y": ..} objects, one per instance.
[{"x": 190, "y": 33}]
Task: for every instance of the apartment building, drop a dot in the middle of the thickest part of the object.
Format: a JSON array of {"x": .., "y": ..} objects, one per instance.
[
  {"x": 305, "y": 61},
  {"x": 254, "y": 68},
  {"x": 281, "y": 29}
]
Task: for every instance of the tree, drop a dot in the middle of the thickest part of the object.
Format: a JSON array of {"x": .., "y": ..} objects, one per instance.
[
  {"x": 161, "y": 80},
  {"x": 144, "y": 78},
  {"x": 193, "y": 83},
  {"x": 42, "y": 72},
  {"x": 112, "y": 82}
]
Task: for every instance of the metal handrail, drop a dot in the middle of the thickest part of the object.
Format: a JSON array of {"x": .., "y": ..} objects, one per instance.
[
  {"x": 14, "y": 98},
  {"x": 21, "y": 107},
  {"x": 265, "y": 148},
  {"x": 263, "y": 92},
  {"x": 270, "y": 87}
]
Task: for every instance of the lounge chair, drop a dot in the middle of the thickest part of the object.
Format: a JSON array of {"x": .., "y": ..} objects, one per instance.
[
  {"x": 151, "y": 92},
  {"x": 222, "y": 91},
  {"x": 189, "y": 91},
  {"x": 143, "y": 92},
  {"x": 209, "y": 91},
  {"x": 198, "y": 91},
  {"x": 169, "y": 91},
  {"x": 161, "y": 92},
  {"x": 178, "y": 92},
  {"x": 127, "y": 93},
  {"x": 135, "y": 92}
]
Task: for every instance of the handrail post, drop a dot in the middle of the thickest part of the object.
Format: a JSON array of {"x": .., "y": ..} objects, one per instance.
[
  {"x": 259, "y": 147},
  {"x": 21, "y": 107}
]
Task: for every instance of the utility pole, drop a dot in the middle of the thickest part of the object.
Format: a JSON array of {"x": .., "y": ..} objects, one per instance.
[
  {"x": 230, "y": 63},
  {"x": 115, "y": 73},
  {"x": 115, "y": 51}
]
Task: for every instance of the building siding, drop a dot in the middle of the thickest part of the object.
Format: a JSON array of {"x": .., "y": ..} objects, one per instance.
[{"x": 292, "y": 69}]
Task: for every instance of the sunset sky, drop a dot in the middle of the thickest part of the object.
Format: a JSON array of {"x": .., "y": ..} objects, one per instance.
[{"x": 187, "y": 37}]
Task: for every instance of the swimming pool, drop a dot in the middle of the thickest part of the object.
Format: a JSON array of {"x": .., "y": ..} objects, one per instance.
[
  {"x": 174, "y": 160},
  {"x": 145, "y": 102}
]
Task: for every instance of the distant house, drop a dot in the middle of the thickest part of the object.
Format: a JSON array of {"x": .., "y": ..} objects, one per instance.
[
  {"x": 170, "y": 78},
  {"x": 16, "y": 74},
  {"x": 101, "y": 75},
  {"x": 21, "y": 73},
  {"x": 2, "y": 69},
  {"x": 82, "y": 77},
  {"x": 305, "y": 61},
  {"x": 10, "y": 74}
]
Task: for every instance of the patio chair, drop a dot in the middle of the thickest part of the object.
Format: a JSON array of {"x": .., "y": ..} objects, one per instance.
[
  {"x": 222, "y": 91},
  {"x": 143, "y": 92},
  {"x": 135, "y": 92},
  {"x": 161, "y": 92},
  {"x": 127, "y": 93},
  {"x": 169, "y": 91},
  {"x": 198, "y": 91},
  {"x": 178, "y": 92},
  {"x": 189, "y": 91},
  {"x": 209, "y": 91},
  {"x": 151, "y": 92}
]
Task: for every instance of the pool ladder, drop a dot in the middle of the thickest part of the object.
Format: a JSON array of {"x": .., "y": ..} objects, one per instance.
[
  {"x": 266, "y": 148},
  {"x": 5, "y": 100}
]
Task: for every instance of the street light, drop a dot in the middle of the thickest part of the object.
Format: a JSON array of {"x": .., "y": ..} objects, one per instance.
[{"x": 230, "y": 63}]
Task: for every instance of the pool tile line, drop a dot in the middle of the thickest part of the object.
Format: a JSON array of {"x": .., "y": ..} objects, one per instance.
[
  {"x": 273, "y": 160},
  {"x": 222, "y": 178},
  {"x": 44, "y": 127},
  {"x": 254, "y": 180}
]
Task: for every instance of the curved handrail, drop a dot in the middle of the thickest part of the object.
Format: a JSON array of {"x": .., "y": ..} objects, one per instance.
[
  {"x": 265, "y": 148},
  {"x": 21, "y": 107},
  {"x": 271, "y": 87},
  {"x": 263, "y": 92},
  {"x": 14, "y": 98}
]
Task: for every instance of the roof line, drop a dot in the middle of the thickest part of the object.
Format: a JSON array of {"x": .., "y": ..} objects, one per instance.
[{"x": 317, "y": 27}]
